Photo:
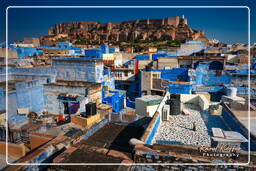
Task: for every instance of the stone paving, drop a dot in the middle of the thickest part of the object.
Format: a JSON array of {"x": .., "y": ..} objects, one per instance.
[{"x": 179, "y": 129}]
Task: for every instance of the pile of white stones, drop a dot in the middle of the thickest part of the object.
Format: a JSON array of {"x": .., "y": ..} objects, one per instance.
[{"x": 179, "y": 129}]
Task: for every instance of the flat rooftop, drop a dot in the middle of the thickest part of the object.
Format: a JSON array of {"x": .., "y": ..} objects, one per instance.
[
  {"x": 84, "y": 155},
  {"x": 179, "y": 128},
  {"x": 243, "y": 117},
  {"x": 115, "y": 136},
  {"x": 11, "y": 84},
  {"x": 112, "y": 139},
  {"x": 74, "y": 83},
  {"x": 150, "y": 98},
  {"x": 200, "y": 57},
  {"x": 82, "y": 59}
]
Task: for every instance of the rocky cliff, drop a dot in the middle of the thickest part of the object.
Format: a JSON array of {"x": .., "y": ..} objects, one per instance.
[{"x": 173, "y": 28}]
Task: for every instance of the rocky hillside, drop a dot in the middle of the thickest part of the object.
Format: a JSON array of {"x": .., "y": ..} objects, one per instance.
[{"x": 174, "y": 28}]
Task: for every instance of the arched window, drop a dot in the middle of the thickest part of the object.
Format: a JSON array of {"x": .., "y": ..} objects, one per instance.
[{"x": 215, "y": 65}]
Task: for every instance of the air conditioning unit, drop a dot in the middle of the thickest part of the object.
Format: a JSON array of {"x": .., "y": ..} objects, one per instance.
[{"x": 165, "y": 112}]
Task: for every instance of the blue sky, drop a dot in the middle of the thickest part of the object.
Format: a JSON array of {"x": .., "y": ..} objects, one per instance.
[{"x": 225, "y": 24}]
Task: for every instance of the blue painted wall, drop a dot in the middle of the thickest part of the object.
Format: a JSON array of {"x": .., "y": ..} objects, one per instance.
[
  {"x": 27, "y": 94},
  {"x": 77, "y": 69},
  {"x": 27, "y": 51},
  {"x": 116, "y": 100},
  {"x": 180, "y": 88},
  {"x": 173, "y": 74},
  {"x": 32, "y": 71},
  {"x": 63, "y": 45},
  {"x": 153, "y": 131},
  {"x": 104, "y": 48},
  {"x": 158, "y": 55},
  {"x": 94, "y": 53},
  {"x": 30, "y": 95},
  {"x": 211, "y": 78},
  {"x": 142, "y": 57},
  {"x": 2, "y": 99}
]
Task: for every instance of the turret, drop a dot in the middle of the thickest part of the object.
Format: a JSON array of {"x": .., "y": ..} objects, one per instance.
[
  {"x": 50, "y": 31},
  {"x": 147, "y": 21},
  {"x": 183, "y": 21},
  {"x": 109, "y": 26}
]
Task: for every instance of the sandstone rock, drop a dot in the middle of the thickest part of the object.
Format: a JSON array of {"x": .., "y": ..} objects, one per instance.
[{"x": 172, "y": 28}]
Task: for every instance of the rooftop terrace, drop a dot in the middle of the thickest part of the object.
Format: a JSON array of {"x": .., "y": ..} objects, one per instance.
[
  {"x": 241, "y": 113},
  {"x": 74, "y": 83},
  {"x": 11, "y": 84},
  {"x": 193, "y": 129},
  {"x": 114, "y": 136},
  {"x": 109, "y": 144}
]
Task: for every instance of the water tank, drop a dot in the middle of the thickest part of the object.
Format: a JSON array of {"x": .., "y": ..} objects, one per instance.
[
  {"x": 231, "y": 92},
  {"x": 175, "y": 104},
  {"x": 90, "y": 108}
]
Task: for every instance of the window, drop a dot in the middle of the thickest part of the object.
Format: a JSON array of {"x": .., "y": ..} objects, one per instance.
[
  {"x": 85, "y": 92},
  {"x": 48, "y": 80},
  {"x": 126, "y": 73},
  {"x": 155, "y": 75}
]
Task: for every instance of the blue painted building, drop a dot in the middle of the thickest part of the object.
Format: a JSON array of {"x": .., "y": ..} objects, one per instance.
[
  {"x": 142, "y": 57},
  {"x": 27, "y": 51},
  {"x": 180, "y": 88},
  {"x": 24, "y": 50},
  {"x": 25, "y": 88},
  {"x": 93, "y": 53},
  {"x": 98, "y": 52},
  {"x": 115, "y": 98},
  {"x": 70, "y": 97},
  {"x": 114, "y": 50},
  {"x": 29, "y": 94},
  {"x": 104, "y": 48},
  {"x": 185, "y": 49},
  {"x": 63, "y": 45},
  {"x": 187, "y": 81},
  {"x": 24, "y": 94},
  {"x": 191, "y": 47},
  {"x": 78, "y": 69},
  {"x": 60, "y": 48},
  {"x": 158, "y": 55},
  {"x": 204, "y": 76},
  {"x": 174, "y": 74},
  {"x": 212, "y": 81},
  {"x": 179, "y": 80}
]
